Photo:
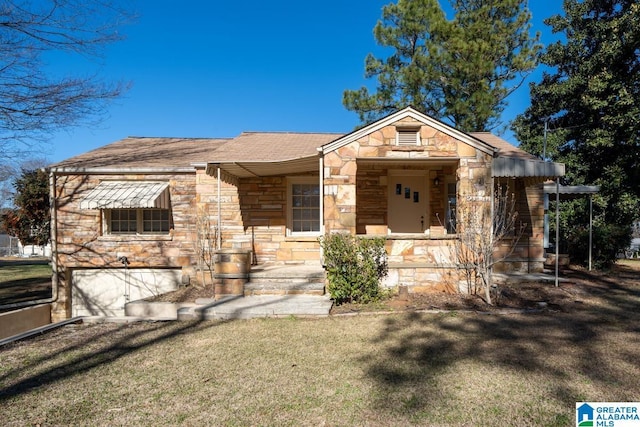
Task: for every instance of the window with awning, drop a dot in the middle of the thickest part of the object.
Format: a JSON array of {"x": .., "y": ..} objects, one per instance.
[
  {"x": 131, "y": 207},
  {"x": 128, "y": 195}
]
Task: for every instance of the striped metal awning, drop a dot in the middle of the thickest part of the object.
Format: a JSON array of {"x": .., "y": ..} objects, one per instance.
[
  {"x": 514, "y": 167},
  {"x": 127, "y": 195}
]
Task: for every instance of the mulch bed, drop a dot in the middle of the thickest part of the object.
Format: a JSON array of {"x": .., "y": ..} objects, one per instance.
[{"x": 581, "y": 285}]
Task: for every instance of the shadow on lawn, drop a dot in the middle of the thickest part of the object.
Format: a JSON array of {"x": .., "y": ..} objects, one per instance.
[
  {"x": 595, "y": 342},
  {"x": 106, "y": 347}
]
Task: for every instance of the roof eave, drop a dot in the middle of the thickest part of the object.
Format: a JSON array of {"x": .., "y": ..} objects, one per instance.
[{"x": 119, "y": 170}]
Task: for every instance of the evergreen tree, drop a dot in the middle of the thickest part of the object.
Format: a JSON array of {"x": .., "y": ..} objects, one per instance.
[
  {"x": 589, "y": 102},
  {"x": 459, "y": 70},
  {"x": 30, "y": 220}
]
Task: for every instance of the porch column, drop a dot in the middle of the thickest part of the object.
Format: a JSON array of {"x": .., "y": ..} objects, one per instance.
[{"x": 321, "y": 174}]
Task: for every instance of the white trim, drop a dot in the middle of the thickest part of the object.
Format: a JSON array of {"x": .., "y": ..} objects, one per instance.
[
  {"x": 405, "y": 113},
  {"x": 289, "y": 212}
]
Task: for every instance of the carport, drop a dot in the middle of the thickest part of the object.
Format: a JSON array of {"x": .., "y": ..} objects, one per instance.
[{"x": 568, "y": 192}]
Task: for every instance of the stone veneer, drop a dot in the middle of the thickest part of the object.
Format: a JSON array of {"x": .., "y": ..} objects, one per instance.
[
  {"x": 79, "y": 241},
  {"x": 254, "y": 217},
  {"x": 253, "y": 213},
  {"x": 355, "y": 201}
]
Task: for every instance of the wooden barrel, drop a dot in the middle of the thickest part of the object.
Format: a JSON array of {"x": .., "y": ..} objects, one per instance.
[{"x": 231, "y": 271}]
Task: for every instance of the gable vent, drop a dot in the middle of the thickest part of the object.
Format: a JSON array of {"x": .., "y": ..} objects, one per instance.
[{"x": 408, "y": 137}]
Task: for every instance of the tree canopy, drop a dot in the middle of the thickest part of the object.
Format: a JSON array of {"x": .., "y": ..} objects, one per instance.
[
  {"x": 589, "y": 102},
  {"x": 458, "y": 70},
  {"x": 30, "y": 220},
  {"x": 33, "y": 100}
]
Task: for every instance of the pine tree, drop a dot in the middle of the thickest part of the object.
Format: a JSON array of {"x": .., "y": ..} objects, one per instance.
[{"x": 460, "y": 71}]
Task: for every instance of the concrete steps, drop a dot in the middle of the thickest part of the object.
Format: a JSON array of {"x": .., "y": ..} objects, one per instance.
[
  {"x": 286, "y": 280},
  {"x": 262, "y": 306}
]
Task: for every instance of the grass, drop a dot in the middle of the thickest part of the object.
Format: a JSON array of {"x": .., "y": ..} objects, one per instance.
[
  {"x": 448, "y": 369},
  {"x": 24, "y": 279}
]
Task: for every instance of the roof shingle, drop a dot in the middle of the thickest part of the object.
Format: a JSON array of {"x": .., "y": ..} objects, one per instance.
[{"x": 142, "y": 152}]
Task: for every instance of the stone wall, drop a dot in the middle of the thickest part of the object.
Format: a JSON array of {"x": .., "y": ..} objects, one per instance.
[
  {"x": 528, "y": 253},
  {"x": 254, "y": 217},
  {"x": 80, "y": 242},
  {"x": 356, "y": 198}
]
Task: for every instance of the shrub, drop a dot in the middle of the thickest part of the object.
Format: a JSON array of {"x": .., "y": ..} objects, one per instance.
[
  {"x": 608, "y": 239},
  {"x": 354, "y": 267}
]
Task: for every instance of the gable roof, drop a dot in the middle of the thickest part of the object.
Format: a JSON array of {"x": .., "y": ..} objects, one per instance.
[
  {"x": 409, "y": 112},
  {"x": 273, "y": 153},
  {"x": 142, "y": 153}
]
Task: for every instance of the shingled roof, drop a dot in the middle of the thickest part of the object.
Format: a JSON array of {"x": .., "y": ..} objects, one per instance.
[
  {"x": 273, "y": 146},
  {"x": 145, "y": 153},
  {"x": 505, "y": 149},
  {"x": 151, "y": 153}
]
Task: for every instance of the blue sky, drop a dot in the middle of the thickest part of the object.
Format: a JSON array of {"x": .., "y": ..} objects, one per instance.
[{"x": 215, "y": 69}]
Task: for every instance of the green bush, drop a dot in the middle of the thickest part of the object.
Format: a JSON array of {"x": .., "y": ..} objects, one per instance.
[
  {"x": 608, "y": 240},
  {"x": 354, "y": 267}
]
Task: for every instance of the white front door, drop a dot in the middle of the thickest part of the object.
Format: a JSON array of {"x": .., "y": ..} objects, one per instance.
[{"x": 407, "y": 207}]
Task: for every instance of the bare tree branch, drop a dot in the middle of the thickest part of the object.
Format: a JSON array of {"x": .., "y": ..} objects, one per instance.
[
  {"x": 482, "y": 230},
  {"x": 33, "y": 103}
]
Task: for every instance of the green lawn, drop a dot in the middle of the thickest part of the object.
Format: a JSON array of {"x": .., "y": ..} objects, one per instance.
[
  {"x": 448, "y": 369},
  {"x": 24, "y": 279}
]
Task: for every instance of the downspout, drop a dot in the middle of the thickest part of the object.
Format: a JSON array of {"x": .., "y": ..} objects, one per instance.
[
  {"x": 54, "y": 235},
  {"x": 54, "y": 253},
  {"x": 219, "y": 234}
]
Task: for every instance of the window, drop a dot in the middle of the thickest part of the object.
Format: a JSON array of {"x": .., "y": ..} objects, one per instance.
[
  {"x": 451, "y": 207},
  {"x": 408, "y": 136},
  {"x": 155, "y": 220},
  {"x": 123, "y": 221},
  {"x": 137, "y": 221},
  {"x": 304, "y": 206}
]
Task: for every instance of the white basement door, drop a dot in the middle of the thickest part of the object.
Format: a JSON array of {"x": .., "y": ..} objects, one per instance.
[{"x": 104, "y": 292}]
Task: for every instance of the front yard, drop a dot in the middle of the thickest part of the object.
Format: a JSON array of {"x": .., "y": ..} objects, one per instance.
[
  {"x": 450, "y": 369},
  {"x": 24, "y": 279}
]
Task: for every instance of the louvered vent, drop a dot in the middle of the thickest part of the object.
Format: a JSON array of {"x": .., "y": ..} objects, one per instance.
[{"x": 407, "y": 137}]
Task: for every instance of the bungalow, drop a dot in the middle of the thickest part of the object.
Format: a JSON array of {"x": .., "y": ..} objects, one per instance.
[{"x": 125, "y": 216}]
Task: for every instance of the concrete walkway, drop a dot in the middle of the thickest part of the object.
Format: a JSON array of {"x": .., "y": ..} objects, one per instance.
[
  {"x": 258, "y": 306},
  {"x": 515, "y": 277}
]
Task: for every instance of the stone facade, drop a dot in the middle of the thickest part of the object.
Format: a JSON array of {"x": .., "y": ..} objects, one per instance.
[
  {"x": 80, "y": 242},
  {"x": 356, "y": 198},
  {"x": 253, "y": 216}
]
